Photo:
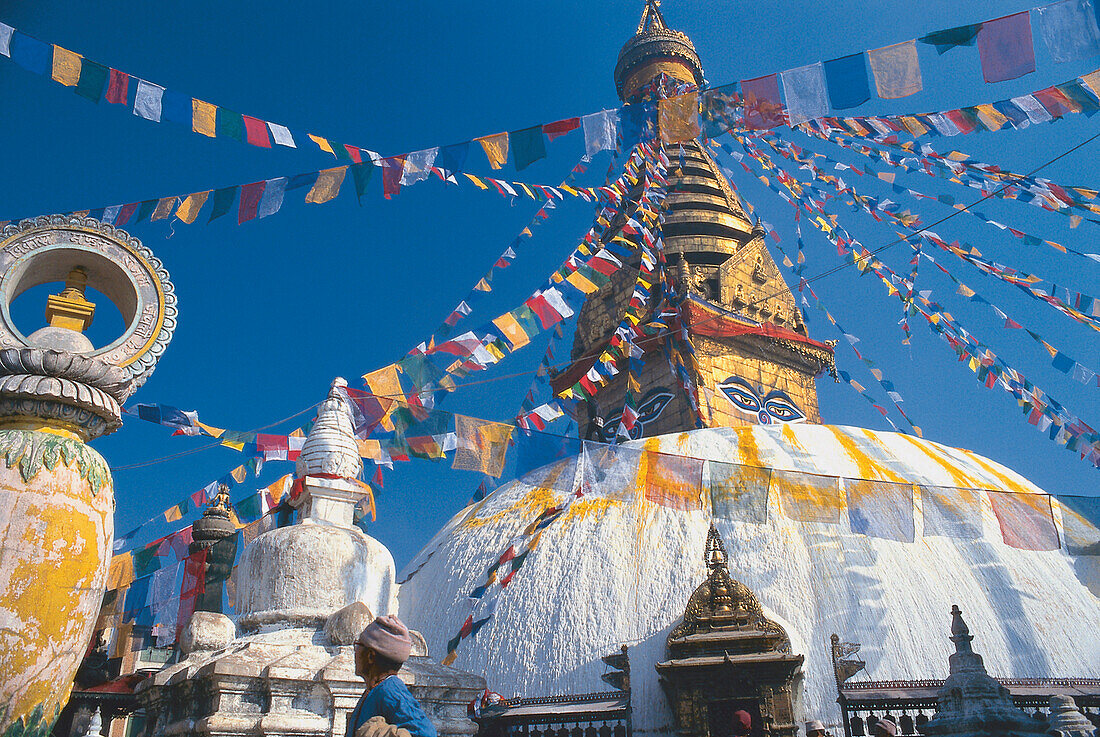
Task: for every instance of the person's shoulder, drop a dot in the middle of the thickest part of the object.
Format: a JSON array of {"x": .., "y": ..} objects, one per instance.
[{"x": 393, "y": 687}]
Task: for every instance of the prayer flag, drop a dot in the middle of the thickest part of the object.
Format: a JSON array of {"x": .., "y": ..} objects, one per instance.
[
  {"x": 808, "y": 497},
  {"x": 418, "y": 165},
  {"x": 482, "y": 445},
  {"x": 194, "y": 583},
  {"x": 673, "y": 481},
  {"x": 1069, "y": 29},
  {"x": 178, "y": 108},
  {"x": 120, "y": 573},
  {"x": 223, "y": 201},
  {"x": 495, "y": 148},
  {"x": 561, "y": 127},
  {"x": 393, "y": 170},
  {"x": 739, "y": 493},
  {"x": 145, "y": 209},
  {"x": 528, "y": 146},
  {"x": 385, "y": 385},
  {"x": 360, "y": 174},
  {"x": 189, "y": 208},
  {"x": 452, "y": 158},
  {"x": 5, "y": 39},
  {"x": 612, "y": 471},
  {"x": 881, "y": 509},
  {"x": 125, "y": 213},
  {"x": 147, "y": 103},
  {"x": 164, "y": 208},
  {"x": 272, "y": 199},
  {"x": 951, "y": 512},
  {"x": 537, "y": 449},
  {"x": 1005, "y": 48},
  {"x": 896, "y": 69},
  {"x": 846, "y": 81},
  {"x": 763, "y": 106},
  {"x": 637, "y": 123},
  {"x": 204, "y": 118},
  {"x": 118, "y": 87},
  {"x": 230, "y": 124},
  {"x": 31, "y": 54},
  {"x": 1026, "y": 520},
  {"x": 805, "y": 91},
  {"x": 66, "y": 67},
  {"x": 1081, "y": 524},
  {"x": 512, "y": 330},
  {"x": 282, "y": 135},
  {"x": 599, "y": 131},
  {"x": 327, "y": 185},
  {"x": 250, "y": 201},
  {"x": 256, "y": 131},
  {"x": 678, "y": 117},
  {"x": 949, "y": 38},
  {"x": 322, "y": 143}
]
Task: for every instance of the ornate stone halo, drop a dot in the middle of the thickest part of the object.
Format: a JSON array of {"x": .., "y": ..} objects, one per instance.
[{"x": 43, "y": 249}]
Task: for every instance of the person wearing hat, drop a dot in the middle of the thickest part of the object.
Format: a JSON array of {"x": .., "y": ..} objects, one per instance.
[
  {"x": 885, "y": 728},
  {"x": 379, "y": 653},
  {"x": 742, "y": 723},
  {"x": 814, "y": 728}
]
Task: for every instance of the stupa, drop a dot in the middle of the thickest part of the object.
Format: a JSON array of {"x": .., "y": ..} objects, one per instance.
[
  {"x": 305, "y": 592},
  {"x": 789, "y": 499}
]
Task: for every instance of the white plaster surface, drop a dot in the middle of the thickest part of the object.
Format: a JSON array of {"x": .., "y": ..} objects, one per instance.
[{"x": 618, "y": 569}]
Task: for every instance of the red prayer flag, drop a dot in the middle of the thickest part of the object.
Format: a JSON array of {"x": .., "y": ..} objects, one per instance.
[
  {"x": 118, "y": 87},
  {"x": 126, "y": 213},
  {"x": 251, "y": 194},
  {"x": 1056, "y": 103},
  {"x": 763, "y": 105},
  {"x": 961, "y": 121},
  {"x": 1026, "y": 520},
  {"x": 1005, "y": 47},
  {"x": 256, "y": 131},
  {"x": 674, "y": 481},
  {"x": 392, "y": 169},
  {"x": 560, "y": 127},
  {"x": 355, "y": 153},
  {"x": 194, "y": 583}
]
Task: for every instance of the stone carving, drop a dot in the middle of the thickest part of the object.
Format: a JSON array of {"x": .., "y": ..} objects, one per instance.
[
  {"x": 1067, "y": 721},
  {"x": 330, "y": 448},
  {"x": 57, "y": 391}
]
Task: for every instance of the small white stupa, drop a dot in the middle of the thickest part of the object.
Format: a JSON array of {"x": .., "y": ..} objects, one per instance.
[{"x": 305, "y": 592}]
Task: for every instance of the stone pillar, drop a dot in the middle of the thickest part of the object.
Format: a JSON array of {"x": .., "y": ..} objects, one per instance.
[{"x": 57, "y": 392}]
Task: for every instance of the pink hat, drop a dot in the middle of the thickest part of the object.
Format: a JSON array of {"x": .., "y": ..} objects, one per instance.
[
  {"x": 742, "y": 722},
  {"x": 387, "y": 636}
]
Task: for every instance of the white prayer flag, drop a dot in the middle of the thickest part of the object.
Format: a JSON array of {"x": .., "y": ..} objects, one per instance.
[{"x": 147, "y": 102}]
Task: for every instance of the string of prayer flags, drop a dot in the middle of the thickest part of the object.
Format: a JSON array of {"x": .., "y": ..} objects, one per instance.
[
  {"x": 1026, "y": 520},
  {"x": 881, "y": 509},
  {"x": 739, "y": 493},
  {"x": 1005, "y": 47}
]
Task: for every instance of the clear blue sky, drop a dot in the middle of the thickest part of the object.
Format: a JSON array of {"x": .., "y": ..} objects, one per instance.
[{"x": 272, "y": 310}]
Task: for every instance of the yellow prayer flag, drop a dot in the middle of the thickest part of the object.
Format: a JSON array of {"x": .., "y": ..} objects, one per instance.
[
  {"x": 204, "y": 117},
  {"x": 896, "y": 70},
  {"x": 1092, "y": 81},
  {"x": 581, "y": 282},
  {"x": 214, "y": 432},
  {"x": 233, "y": 444},
  {"x": 120, "y": 574},
  {"x": 495, "y": 148},
  {"x": 512, "y": 330},
  {"x": 369, "y": 449},
  {"x": 173, "y": 514},
  {"x": 164, "y": 208},
  {"x": 279, "y": 488},
  {"x": 808, "y": 497},
  {"x": 914, "y": 126},
  {"x": 476, "y": 181},
  {"x": 189, "y": 208},
  {"x": 66, "y": 66},
  {"x": 482, "y": 445},
  {"x": 322, "y": 143},
  {"x": 386, "y": 384},
  {"x": 991, "y": 117},
  {"x": 239, "y": 474},
  {"x": 965, "y": 290},
  {"x": 679, "y": 118},
  {"x": 327, "y": 185}
]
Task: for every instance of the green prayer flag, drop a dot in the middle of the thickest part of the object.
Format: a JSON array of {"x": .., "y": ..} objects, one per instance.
[
  {"x": 528, "y": 146},
  {"x": 223, "y": 201},
  {"x": 249, "y": 509},
  {"x": 361, "y": 173},
  {"x": 93, "y": 78},
  {"x": 949, "y": 38},
  {"x": 230, "y": 124},
  {"x": 145, "y": 210},
  {"x": 340, "y": 151}
]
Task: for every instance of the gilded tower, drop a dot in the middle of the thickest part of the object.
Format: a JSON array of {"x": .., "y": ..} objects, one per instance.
[{"x": 756, "y": 363}]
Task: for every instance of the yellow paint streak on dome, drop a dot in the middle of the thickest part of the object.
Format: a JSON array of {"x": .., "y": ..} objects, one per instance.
[
  {"x": 958, "y": 477},
  {"x": 747, "y": 449},
  {"x": 868, "y": 467},
  {"x": 585, "y": 507},
  {"x": 529, "y": 506},
  {"x": 1005, "y": 481},
  {"x": 791, "y": 438}
]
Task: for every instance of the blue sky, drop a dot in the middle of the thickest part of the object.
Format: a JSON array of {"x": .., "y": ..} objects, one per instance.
[{"x": 270, "y": 311}]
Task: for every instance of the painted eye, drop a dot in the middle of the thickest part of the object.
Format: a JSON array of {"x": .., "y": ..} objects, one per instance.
[
  {"x": 652, "y": 405},
  {"x": 780, "y": 407},
  {"x": 742, "y": 396}
]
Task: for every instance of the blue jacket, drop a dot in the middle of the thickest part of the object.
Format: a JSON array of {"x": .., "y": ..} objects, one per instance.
[{"x": 392, "y": 701}]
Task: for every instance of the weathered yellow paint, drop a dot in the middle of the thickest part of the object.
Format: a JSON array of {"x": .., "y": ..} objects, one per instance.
[
  {"x": 55, "y": 539},
  {"x": 868, "y": 467},
  {"x": 1006, "y": 481},
  {"x": 951, "y": 468}
]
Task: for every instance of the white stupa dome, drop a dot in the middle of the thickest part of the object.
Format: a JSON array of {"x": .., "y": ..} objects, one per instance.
[{"x": 616, "y": 568}]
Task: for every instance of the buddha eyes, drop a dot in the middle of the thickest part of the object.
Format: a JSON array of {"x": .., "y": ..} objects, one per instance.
[{"x": 775, "y": 407}]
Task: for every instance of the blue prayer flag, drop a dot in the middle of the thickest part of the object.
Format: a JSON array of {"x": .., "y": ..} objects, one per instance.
[
  {"x": 847, "y": 81},
  {"x": 1081, "y": 524},
  {"x": 31, "y": 54}
]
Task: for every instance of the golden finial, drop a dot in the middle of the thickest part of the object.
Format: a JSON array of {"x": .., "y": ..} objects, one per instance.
[{"x": 70, "y": 309}]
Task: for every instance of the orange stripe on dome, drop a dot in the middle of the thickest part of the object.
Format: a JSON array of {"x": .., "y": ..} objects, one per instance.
[
  {"x": 958, "y": 477},
  {"x": 868, "y": 467}
]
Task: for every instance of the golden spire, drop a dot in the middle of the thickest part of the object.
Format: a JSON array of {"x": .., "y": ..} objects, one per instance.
[
  {"x": 70, "y": 309},
  {"x": 651, "y": 18}
]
